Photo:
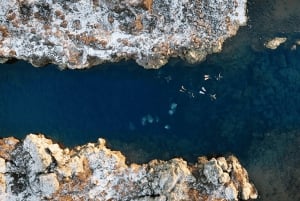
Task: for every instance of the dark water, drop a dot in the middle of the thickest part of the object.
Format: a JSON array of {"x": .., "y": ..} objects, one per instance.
[{"x": 249, "y": 106}]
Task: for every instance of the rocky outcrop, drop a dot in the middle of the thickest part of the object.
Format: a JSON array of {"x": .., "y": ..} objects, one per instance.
[
  {"x": 274, "y": 43},
  {"x": 83, "y": 33},
  {"x": 39, "y": 169}
]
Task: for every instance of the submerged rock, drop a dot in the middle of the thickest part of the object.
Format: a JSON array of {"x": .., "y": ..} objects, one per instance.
[
  {"x": 38, "y": 169},
  {"x": 80, "y": 34}
]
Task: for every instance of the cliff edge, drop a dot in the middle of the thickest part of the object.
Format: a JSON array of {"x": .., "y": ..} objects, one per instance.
[
  {"x": 36, "y": 168},
  {"x": 82, "y": 33}
]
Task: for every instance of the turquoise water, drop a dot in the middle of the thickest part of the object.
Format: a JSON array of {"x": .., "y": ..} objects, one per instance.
[{"x": 244, "y": 101}]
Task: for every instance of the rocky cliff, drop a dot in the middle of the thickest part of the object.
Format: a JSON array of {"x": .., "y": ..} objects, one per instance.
[
  {"x": 83, "y": 33},
  {"x": 36, "y": 168}
]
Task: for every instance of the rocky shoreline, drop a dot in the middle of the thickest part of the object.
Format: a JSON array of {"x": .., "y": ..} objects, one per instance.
[
  {"x": 36, "y": 168},
  {"x": 80, "y": 34}
]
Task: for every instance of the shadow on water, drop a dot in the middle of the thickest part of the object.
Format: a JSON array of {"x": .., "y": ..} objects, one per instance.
[{"x": 243, "y": 101}]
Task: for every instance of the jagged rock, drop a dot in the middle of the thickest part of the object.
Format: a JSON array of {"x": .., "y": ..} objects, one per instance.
[
  {"x": 38, "y": 169},
  {"x": 80, "y": 33}
]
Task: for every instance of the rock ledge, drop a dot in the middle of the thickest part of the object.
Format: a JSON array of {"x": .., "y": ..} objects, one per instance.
[
  {"x": 83, "y": 33},
  {"x": 38, "y": 169}
]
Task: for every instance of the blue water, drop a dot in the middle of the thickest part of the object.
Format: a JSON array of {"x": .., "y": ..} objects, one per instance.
[
  {"x": 76, "y": 107},
  {"x": 249, "y": 106},
  {"x": 68, "y": 103}
]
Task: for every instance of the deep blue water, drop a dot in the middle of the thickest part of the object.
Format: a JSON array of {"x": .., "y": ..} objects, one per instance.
[
  {"x": 249, "y": 106},
  {"x": 126, "y": 103},
  {"x": 92, "y": 102}
]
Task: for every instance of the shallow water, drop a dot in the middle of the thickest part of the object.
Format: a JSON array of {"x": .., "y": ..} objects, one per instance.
[{"x": 248, "y": 107}]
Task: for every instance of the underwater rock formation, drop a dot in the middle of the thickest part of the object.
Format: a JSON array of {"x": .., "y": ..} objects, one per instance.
[
  {"x": 79, "y": 33},
  {"x": 39, "y": 169}
]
